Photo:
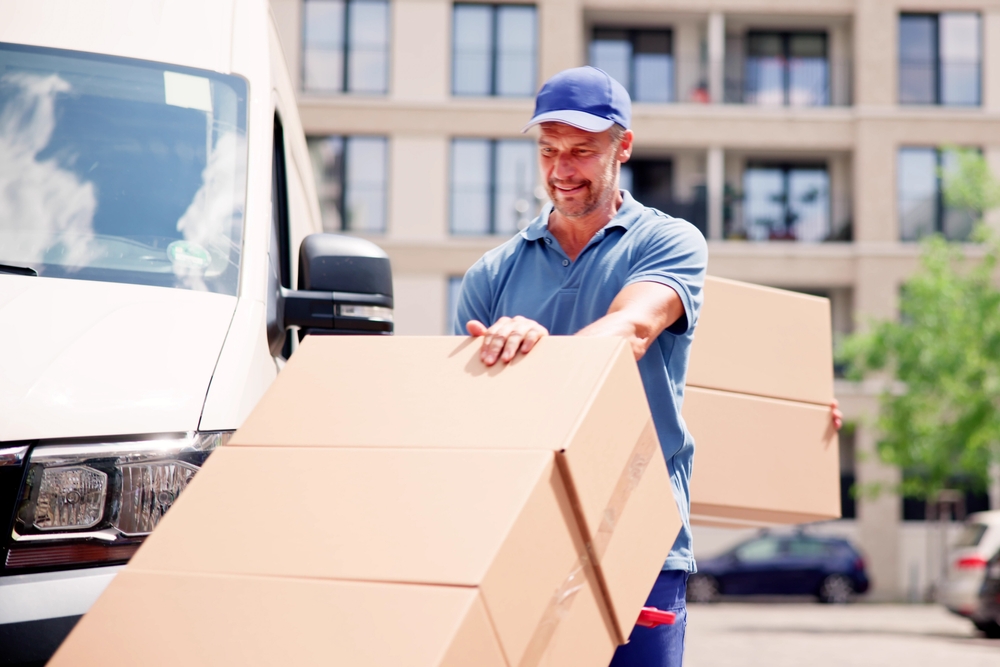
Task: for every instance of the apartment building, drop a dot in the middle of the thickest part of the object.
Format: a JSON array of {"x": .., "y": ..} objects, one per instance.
[{"x": 802, "y": 137}]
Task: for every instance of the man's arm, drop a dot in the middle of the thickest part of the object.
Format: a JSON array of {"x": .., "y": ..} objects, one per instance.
[{"x": 640, "y": 313}]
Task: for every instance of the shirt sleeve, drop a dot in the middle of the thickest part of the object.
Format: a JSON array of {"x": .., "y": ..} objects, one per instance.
[
  {"x": 474, "y": 299},
  {"x": 674, "y": 254}
]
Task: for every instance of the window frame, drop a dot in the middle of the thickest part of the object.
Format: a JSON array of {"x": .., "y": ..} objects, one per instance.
[
  {"x": 345, "y": 76},
  {"x": 492, "y": 144},
  {"x": 786, "y": 75},
  {"x": 494, "y": 9},
  {"x": 940, "y": 207},
  {"x": 342, "y": 210},
  {"x": 786, "y": 168},
  {"x": 632, "y": 35},
  {"x": 937, "y": 62}
]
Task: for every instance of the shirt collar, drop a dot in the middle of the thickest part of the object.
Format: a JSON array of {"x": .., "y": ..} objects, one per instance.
[{"x": 628, "y": 213}]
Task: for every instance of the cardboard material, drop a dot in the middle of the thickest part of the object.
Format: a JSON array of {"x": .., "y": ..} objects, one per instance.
[
  {"x": 761, "y": 461},
  {"x": 763, "y": 341},
  {"x": 538, "y": 491},
  {"x": 581, "y": 398},
  {"x": 160, "y": 619}
]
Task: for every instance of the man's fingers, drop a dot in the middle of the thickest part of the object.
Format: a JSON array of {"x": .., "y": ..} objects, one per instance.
[
  {"x": 494, "y": 341},
  {"x": 475, "y": 328},
  {"x": 532, "y": 337},
  {"x": 511, "y": 345}
]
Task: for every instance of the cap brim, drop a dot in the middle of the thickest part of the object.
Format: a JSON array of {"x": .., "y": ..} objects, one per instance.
[{"x": 579, "y": 119}]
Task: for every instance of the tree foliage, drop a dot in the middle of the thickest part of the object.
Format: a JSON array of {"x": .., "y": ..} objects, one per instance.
[{"x": 940, "y": 418}]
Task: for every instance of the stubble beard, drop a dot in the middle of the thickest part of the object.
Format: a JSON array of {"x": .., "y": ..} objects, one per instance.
[{"x": 596, "y": 194}]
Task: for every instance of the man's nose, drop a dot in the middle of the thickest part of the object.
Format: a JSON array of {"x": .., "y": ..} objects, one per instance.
[{"x": 563, "y": 168}]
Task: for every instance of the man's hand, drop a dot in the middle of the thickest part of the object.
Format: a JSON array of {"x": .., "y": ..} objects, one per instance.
[
  {"x": 836, "y": 415},
  {"x": 507, "y": 337}
]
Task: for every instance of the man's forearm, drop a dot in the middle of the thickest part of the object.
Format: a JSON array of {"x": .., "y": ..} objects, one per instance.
[{"x": 640, "y": 313}]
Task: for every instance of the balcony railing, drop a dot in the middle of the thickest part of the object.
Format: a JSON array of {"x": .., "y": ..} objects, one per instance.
[
  {"x": 791, "y": 82},
  {"x": 809, "y": 220}
]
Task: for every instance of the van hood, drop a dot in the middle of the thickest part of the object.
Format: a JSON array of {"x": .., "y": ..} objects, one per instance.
[{"x": 82, "y": 358}]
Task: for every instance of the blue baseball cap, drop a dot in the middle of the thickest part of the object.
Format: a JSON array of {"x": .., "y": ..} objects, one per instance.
[{"x": 584, "y": 97}]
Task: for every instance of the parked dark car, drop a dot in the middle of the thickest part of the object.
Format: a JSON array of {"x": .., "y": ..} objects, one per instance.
[
  {"x": 987, "y": 616},
  {"x": 829, "y": 568}
]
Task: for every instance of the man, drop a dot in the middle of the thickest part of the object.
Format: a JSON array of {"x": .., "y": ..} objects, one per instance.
[{"x": 598, "y": 263}]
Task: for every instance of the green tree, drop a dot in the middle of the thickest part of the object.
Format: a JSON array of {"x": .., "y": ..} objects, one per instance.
[{"x": 939, "y": 419}]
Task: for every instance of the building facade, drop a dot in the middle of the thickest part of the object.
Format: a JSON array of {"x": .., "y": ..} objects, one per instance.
[{"x": 803, "y": 137}]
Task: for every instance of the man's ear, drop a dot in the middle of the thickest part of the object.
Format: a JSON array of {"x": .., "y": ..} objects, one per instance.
[{"x": 625, "y": 147}]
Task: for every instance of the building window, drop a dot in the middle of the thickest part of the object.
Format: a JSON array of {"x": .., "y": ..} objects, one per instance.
[
  {"x": 651, "y": 182},
  {"x": 351, "y": 182},
  {"x": 492, "y": 185},
  {"x": 920, "y": 196},
  {"x": 346, "y": 46},
  {"x": 641, "y": 60},
  {"x": 494, "y": 50},
  {"x": 454, "y": 291},
  {"x": 786, "y": 202},
  {"x": 786, "y": 69},
  {"x": 940, "y": 59}
]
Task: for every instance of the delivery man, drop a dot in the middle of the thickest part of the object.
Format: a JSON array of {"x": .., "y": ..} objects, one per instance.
[{"x": 596, "y": 262}]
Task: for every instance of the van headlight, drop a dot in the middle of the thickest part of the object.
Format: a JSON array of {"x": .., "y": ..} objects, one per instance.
[{"x": 94, "y": 501}]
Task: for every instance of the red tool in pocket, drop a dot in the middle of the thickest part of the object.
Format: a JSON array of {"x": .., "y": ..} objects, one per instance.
[{"x": 651, "y": 617}]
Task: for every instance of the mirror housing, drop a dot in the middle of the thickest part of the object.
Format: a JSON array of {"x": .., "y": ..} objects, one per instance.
[{"x": 345, "y": 287}]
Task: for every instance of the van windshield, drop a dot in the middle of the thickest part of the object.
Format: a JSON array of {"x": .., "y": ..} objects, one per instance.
[{"x": 121, "y": 170}]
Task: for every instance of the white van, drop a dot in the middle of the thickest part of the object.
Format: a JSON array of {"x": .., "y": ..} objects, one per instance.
[{"x": 157, "y": 213}]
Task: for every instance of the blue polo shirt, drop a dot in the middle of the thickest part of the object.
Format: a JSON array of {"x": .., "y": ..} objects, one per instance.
[{"x": 531, "y": 276}]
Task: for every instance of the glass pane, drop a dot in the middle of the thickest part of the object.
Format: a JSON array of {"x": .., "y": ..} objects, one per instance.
[
  {"x": 121, "y": 170},
  {"x": 470, "y": 186},
  {"x": 625, "y": 180},
  {"x": 917, "y": 59},
  {"x": 917, "y": 192},
  {"x": 454, "y": 292},
  {"x": 809, "y": 205},
  {"x": 758, "y": 550},
  {"x": 960, "y": 58},
  {"x": 764, "y": 80},
  {"x": 611, "y": 51},
  {"x": 956, "y": 223},
  {"x": 327, "y": 156},
  {"x": 516, "y": 167},
  {"x": 653, "y": 67},
  {"x": 472, "y": 69},
  {"x": 971, "y": 535},
  {"x": 364, "y": 183},
  {"x": 808, "y": 71},
  {"x": 764, "y": 204},
  {"x": 368, "y": 57},
  {"x": 516, "y": 38},
  {"x": 804, "y": 548},
  {"x": 323, "y": 45}
]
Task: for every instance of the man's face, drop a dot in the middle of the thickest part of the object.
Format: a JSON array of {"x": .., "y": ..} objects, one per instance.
[{"x": 580, "y": 168}]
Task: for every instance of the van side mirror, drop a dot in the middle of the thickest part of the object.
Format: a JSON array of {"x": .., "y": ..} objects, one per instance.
[{"x": 345, "y": 287}]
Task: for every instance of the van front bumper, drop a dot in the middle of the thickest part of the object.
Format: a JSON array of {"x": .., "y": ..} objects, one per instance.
[{"x": 37, "y": 611}]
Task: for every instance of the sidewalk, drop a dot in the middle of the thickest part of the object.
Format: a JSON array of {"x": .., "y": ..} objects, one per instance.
[{"x": 857, "y": 635}]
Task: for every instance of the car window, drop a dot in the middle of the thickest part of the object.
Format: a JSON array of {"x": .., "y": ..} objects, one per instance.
[
  {"x": 806, "y": 548},
  {"x": 761, "y": 549},
  {"x": 971, "y": 534},
  {"x": 121, "y": 170}
]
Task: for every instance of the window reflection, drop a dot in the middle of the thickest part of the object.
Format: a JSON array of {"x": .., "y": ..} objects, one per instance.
[
  {"x": 940, "y": 59},
  {"x": 920, "y": 200},
  {"x": 641, "y": 60},
  {"x": 492, "y": 185},
  {"x": 786, "y": 69},
  {"x": 346, "y": 46},
  {"x": 119, "y": 170},
  {"x": 351, "y": 182},
  {"x": 495, "y": 50},
  {"x": 786, "y": 202}
]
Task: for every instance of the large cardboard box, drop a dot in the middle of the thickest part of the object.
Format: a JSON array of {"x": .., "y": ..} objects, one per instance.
[
  {"x": 535, "y": 494},
  {"x": 757, "y": 402},
  {"x": 580, "y": 398}
]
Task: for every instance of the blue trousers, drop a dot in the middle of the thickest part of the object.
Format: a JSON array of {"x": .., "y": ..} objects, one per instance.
[{"x": 662, "y": 646}]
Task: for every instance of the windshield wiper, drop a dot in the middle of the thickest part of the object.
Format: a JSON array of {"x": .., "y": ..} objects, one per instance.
[{"x": 19, "y": 270}]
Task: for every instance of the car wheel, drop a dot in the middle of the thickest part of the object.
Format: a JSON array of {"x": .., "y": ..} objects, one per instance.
[
  {"x": 702, "y": 588},
  {"x": 991, "y": 629},
  {"x": 836, "y": 589}
]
